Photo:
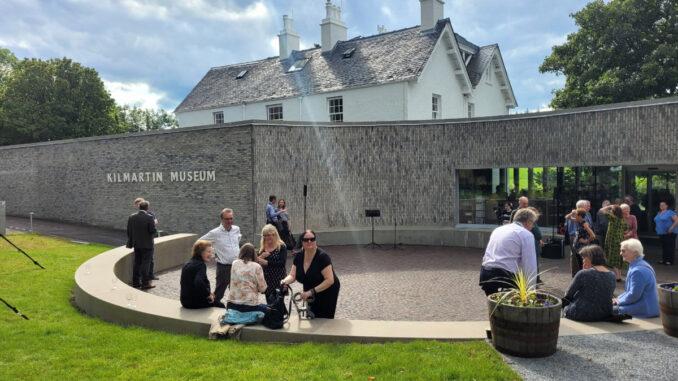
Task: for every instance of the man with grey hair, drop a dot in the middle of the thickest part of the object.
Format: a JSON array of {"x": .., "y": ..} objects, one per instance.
[
  {"x": 226, "y": 243},
  {"x": 511, "y": 248}
]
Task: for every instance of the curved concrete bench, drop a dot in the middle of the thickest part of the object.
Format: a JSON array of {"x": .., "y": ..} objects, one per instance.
[{"x": 94, "y": 295}]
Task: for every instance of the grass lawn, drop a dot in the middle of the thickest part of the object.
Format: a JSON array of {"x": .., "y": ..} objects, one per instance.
[{"x": 61, "y": 343}]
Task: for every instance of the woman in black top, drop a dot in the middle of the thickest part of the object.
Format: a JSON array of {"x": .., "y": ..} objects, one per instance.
[
  {"x": 272, "y": 257},
  {"x": 195, "y": 287},
  {"x": 589, "y": 297},
  {"x": 313, "y": 268}
]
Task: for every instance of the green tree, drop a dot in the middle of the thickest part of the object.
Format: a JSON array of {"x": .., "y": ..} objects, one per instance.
[
  {"x": 7, "y": 62},
  {"x": 54, "y": 99},
  {"x": 133, "y": 119},
  {"x": 624, "y": 50}
]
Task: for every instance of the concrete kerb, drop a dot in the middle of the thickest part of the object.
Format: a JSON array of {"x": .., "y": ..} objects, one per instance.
[{"x": 98, "y": 295}]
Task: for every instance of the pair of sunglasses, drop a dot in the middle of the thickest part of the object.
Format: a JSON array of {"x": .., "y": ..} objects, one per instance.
[{"x": 312, "y": 239}]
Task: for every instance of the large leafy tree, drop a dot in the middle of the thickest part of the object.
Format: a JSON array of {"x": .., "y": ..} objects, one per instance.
[
  {"x": 54, "y": 99},
  {"x": 624, "y": 50},
  {"x": 140, "y": 119}
]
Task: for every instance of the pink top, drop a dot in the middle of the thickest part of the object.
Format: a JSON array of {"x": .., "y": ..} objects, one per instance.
[{"x": 632, "y": 223}]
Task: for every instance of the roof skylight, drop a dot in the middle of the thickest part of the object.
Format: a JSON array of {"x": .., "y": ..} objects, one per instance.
[
  {"x": 298, "y": 65},
  {"x": 241, "y": 74}
]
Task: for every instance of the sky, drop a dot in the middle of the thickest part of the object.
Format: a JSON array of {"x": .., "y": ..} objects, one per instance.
[{"x": 151, "y": 53}]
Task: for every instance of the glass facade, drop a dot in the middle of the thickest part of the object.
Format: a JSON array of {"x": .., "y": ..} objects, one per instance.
[{"x": 484, "y": 193}]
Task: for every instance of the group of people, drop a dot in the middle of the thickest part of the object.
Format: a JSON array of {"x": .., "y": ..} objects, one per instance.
[
  {"x": 276, "y": 215},
  {"x": 599, "y": 253},
  {"x": 249, "y": 272}
]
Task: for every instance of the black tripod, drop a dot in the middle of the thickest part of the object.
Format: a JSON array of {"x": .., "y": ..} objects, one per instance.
[{"x": 11, "y": 307}]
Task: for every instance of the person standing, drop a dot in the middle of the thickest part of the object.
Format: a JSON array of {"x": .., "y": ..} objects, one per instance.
[
  {"x": 600, "y": 227},
  {"x": 615, "y": 235},
  {"x": 312, "y": 267},
  {"x": 140, "y": 233},
  {"x": 583, "y": 237},
  {"x": 511, "y": 248},
  {"x": 151, "y": 269},
  {"x": 272, "y": 257},
  {"x": 226, "y": 241},
  {"x": 631, "y": 222},
  {"x": 666, "y": 226},
  {"x": 284, "y": 221},
  {"x": 272, "y": 213}
]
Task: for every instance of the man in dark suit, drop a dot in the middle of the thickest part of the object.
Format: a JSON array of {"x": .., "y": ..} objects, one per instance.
[{"x": 140, "y": 233}]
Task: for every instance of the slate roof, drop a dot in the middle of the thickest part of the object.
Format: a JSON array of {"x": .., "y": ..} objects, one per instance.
[
  {"x": 479, "y": 62},
  {"x": 384, "y": 58}
]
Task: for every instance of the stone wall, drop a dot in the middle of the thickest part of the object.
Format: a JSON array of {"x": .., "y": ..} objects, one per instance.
[
  {"x": 406, "y": 169},
  {"x": 69, "y": 181}
]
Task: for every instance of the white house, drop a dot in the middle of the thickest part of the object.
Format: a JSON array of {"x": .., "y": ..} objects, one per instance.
[{"x": 422, "y": 72}]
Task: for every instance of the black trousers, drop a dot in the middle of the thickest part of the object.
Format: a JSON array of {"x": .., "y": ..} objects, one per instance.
[
  {"x": 492, "y": 279},
  {"x": 576, "y": 263},
  {"x": 223, "y": 280},
  {"x": 668, "y": 246},
  {"x": 141, "y": 273}
]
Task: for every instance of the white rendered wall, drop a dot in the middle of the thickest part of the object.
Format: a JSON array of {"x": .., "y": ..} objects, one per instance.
[
  {"x": 437, "y": 78},
  {"x": 385, "y": 102},
  {"x": 488, "y": 98}
]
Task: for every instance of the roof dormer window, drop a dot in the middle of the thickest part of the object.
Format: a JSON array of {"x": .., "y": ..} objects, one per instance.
[
  {"x": 348, "y": 53},
  {"x": 298, "y": 65}
]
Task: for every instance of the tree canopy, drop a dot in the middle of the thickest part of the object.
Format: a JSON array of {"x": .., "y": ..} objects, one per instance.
[
  {"x": 624, "y": 50},
  {"x": 54, "y": 99}
]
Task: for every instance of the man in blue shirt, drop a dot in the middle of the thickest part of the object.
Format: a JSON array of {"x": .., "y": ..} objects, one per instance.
[{"x": 271, "y": 212}]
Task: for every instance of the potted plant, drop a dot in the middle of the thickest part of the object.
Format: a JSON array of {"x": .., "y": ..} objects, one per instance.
[
  {"x": 524, "y": 321},
  {"x": 668, "y": 306}
]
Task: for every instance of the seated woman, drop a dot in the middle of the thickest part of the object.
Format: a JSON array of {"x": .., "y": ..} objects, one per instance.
[
  {"x": 313, "y": 268},
  {"x": 247, "y": 282},
  {"x": 640, "y": 298},
  {"x": 195, "y": 287},
  {"x": 589, "y": 297}
]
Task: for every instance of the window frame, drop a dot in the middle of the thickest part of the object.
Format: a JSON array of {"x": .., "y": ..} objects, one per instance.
[
  {"x": 271, "y": 112},
  {"x": 214, "y": 117},
  {"x": 436, "y": 103},
  {"x": 335, "y": 111},
  {"x": 471, "y": 109}
]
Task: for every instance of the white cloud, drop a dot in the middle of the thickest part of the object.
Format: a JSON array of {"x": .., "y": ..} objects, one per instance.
[
  {"x": 386, "y": 11},
  {"x": 137, "y": 94}
]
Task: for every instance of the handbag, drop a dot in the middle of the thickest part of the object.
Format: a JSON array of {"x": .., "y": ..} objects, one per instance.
[{"x": 278, "y": 314}]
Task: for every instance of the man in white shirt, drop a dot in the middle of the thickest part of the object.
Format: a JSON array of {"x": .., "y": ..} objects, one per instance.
[
  {"x": 511, "y": 247},
  {"x": 226, "y": 242}
]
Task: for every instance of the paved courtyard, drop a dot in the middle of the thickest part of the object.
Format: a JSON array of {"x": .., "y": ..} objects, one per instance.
[{"x": 411, "y": 283}]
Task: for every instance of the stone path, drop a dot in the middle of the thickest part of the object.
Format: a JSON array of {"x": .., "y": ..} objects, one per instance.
[
  {"x": 646, "y": 355},
  {"x": 419, "y": 283}
]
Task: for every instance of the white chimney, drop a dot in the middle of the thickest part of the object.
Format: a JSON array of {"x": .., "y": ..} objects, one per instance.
[
  {"x": 288, "y": 39},
  {"x": 332, "y": 29},
  {"x": 431, "y": 12}
]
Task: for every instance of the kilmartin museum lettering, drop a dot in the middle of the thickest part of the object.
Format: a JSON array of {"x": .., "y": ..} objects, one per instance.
[{"x": 158, "y": 177}]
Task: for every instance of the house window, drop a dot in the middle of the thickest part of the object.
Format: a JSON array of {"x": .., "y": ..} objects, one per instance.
[
  {"x": 336, "y": 109},
  {"x": 275, "y": 112},
  {"x": 218, "y": 117},
  {"x": 471, "y": 110},
  {"x": 435, "y": 106}
]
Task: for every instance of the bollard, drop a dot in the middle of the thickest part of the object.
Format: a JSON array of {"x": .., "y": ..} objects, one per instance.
[{"x": 31, "y": 213}]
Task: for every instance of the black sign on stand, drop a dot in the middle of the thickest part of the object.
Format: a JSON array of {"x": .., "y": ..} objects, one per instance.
[{"x": 372, "y": 214}]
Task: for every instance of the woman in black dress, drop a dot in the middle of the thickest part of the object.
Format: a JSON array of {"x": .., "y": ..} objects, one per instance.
[
  {"x": 272, "y": 257},
  {"x": 585, "y": 236},
  {"x": 195, "y": 287},
  {"x": 312, "y": 267}
]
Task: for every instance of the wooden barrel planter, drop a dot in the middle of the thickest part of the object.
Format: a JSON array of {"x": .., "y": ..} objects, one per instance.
[
  {"x": 668, "y": 306},
  {"x": 524, "y": 331}
]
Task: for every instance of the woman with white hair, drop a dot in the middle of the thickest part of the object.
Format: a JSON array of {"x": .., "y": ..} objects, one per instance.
[{"x": 640, "y": 298}]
